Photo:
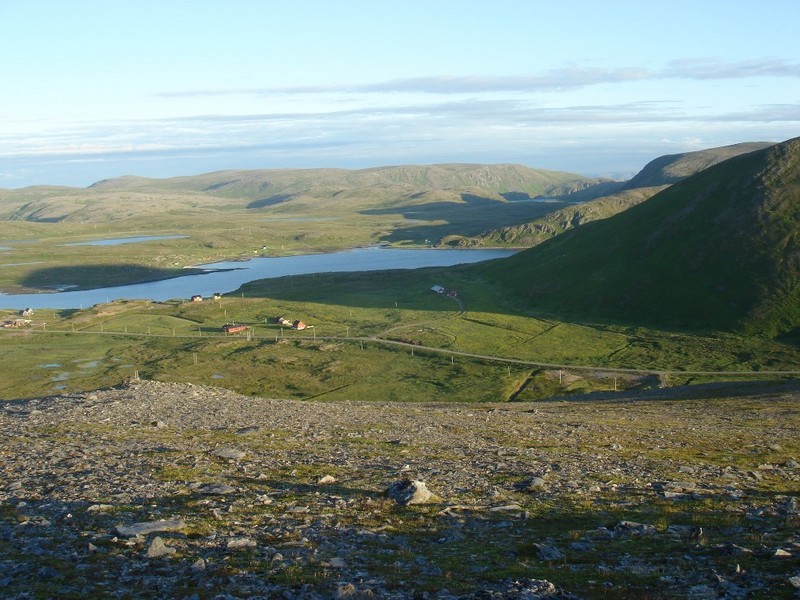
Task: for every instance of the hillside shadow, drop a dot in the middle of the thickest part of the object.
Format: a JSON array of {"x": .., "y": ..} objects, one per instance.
[
  {"x": 472, "y": 216},
  {"x": 90, "y": 277},
  {"x": 695, "y": 391},
  {"x": 791, "y": 338},
  {"x": 270, "y": 201}
]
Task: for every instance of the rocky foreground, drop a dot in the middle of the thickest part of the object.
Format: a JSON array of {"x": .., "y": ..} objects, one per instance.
[{"x": 160, "y": 490}]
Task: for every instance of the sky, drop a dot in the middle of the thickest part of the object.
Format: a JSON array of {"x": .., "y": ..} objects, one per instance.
[{"x": 94, "y": 89}]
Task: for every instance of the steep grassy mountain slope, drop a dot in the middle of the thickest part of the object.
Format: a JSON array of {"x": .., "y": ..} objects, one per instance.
[
  {"x": 654, "y": 177},
  {"x": 673, "y": 168},
  {"x": 298, "y": 189},
  {"x": 717, "y": 251},
  {"x": 556, "y": 222}
]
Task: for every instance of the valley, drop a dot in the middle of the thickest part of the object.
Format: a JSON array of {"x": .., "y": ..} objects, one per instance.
[{"x": 609, "y": 412}]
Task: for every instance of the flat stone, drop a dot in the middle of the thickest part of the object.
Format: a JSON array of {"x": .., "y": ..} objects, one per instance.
[
  {"x": 507, "y": 508},
  {"x": 241, "y": 542},
  {"x": 217, "y": 489},
  {"x": 145, "y": 528},
  {"x": 229, "y": 453}
]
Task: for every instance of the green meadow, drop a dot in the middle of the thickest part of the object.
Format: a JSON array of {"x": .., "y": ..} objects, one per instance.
[
  {"x": 561, "y": 319},
  {"x": 373, "y": 336}
]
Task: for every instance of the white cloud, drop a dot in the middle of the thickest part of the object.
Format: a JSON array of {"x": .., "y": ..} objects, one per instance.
[
  {"x": 553, "y": 80},
  {"x": 427, "y": 119}
]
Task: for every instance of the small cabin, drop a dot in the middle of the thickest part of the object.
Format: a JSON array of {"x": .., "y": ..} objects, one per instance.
[
  {"x": 26, "y": 312},
  {"x": 232, "y": 328},
  {"x": 197, "y": 298},
  {"x": 438, "y": 289},
  {"x": 282, "y": 321},
  {"x": 299, "y": 325}
]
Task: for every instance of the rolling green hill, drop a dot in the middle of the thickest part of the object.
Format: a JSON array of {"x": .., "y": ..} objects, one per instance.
[
  {"x": 241, "y": 214},
  {"x": 601, "y": 202},
  {"x": 719, "y": 250},
  {"x": 287, "y": 189}
]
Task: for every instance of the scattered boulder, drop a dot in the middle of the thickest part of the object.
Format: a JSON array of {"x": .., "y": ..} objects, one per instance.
[
  {"x": 633, "y": 528},
  {"x": 406, "y": 492},
  {"x": 158, "y": 549},
  {"x": 199, "y": 565},
  {"x": 548, "y": 553},
  {"x": 536, "y": 484},
  {"x": 532, "y": 589}
]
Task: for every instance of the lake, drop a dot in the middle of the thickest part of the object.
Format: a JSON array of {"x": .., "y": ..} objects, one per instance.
[
  {"x": 126, "y": 240},
  {"x": 228, "y": 276}
]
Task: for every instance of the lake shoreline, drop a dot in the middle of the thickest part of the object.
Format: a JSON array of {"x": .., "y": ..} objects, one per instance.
[{"x": 260, "y": 267}]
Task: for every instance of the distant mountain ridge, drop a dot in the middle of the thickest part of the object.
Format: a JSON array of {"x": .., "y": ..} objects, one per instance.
[
  {"x": 378, "y": 187},
  {"x": 719, "y": 250}
]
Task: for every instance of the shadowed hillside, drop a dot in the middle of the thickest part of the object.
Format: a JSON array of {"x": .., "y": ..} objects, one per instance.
[
  {"x": 603, "y": 201},
  {"x": 673, "y": 168},
  {"x": 717, "y": 251}
]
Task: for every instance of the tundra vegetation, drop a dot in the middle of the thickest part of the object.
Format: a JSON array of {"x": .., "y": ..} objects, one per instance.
[{"x": 615, "y": 439}]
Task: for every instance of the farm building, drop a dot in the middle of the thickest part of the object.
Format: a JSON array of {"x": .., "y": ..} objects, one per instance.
[
  {"x": 232, "y": 328},
  {"x": 26, "y": 312},
  {"x": 282, "y": 321},
  {"x": 438, "y": 289},
  {"x": 299, "y": 325},
  {"x": 197, "y": 298},
  {"x": 14, "y": 323}
]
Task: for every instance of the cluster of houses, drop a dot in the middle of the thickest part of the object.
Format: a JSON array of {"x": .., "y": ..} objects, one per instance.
[
  {"x": 299, "y": 325},
  {"x": 199, "y": 298},
  {"x": 20, "y": 321},
  {"x": 284, "y": 322}
]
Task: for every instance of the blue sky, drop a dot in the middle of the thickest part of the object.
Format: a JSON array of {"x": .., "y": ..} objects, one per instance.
[{"x": 98, "y": 89}]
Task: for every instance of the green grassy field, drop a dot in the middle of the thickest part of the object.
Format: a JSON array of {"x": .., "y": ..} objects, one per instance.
[
  {"x": 377, "y": 336},
  {"x": 558, "y": 319}
]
